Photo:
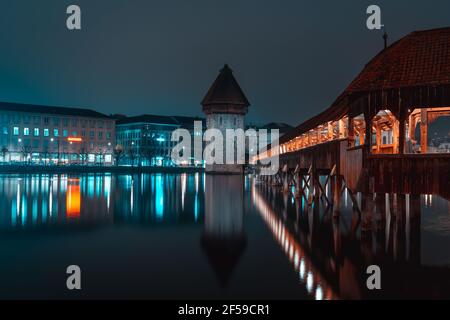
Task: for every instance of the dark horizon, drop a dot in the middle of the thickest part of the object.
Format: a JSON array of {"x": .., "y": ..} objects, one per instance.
[{"x": 292, "y": 61}]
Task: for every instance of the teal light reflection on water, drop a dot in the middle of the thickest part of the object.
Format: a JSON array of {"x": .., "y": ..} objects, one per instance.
[
  {"x": 159, "y": 197},
  {"x": 196, "y": 197},
  {"x": 24, "y": 209},
  {"x": 14, "y": 213}
]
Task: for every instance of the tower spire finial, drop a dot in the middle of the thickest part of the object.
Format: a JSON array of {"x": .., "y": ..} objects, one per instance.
[{"x": 385, "y": 38}]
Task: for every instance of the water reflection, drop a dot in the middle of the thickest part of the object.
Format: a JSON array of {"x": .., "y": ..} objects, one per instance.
[
  {"x": 43, "y": 200},
  {"x": 223, "y": 238},
  {"x": 73, "y": 200},
  {"x": 231, "y": 234},
  {"x": 338, "y": 242}
]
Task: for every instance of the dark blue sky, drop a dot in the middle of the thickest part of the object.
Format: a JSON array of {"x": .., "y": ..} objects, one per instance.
[{"x": 292, "y": 58}]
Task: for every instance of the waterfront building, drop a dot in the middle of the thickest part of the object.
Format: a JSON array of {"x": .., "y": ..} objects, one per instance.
[
  {"x": 55, "y": 135},
  {"x": 225, "y": 106},
  {"x": 188, "y": 123},
  {"x": 146, "y": 140}
]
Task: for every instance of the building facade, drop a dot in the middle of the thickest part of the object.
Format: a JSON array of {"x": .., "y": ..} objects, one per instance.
[
  {"x": 55, "y": 135},
  {"x": 146, "y": 140}
]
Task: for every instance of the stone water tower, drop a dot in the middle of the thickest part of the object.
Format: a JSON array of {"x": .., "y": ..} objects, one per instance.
[{"x": 225, "y": 106}]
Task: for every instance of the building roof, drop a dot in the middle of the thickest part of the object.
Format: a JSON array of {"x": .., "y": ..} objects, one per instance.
[
  {"x": 183, "y": 120},
  {"x": 30, "y": 108},
  {"x": 225, "y": 91},
  {"x": 147, "y": 118},
  {"x": 422, "y": 58},
  {"x": 412, "y": 72}
]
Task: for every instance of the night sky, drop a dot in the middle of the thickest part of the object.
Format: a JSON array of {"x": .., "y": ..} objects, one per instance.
[{"x": 292, "y": 58}]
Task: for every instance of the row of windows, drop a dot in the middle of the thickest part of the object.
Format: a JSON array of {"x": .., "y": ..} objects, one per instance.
[
  {"x": 161, "y": 135},
  {"x": 46, "y": 144},
  {"x": 74, "y": 122},
  {"x": 46, "y": 133}
]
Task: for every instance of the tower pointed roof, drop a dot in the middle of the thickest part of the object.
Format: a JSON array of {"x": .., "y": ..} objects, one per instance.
[{"x": 225, "y": 91}]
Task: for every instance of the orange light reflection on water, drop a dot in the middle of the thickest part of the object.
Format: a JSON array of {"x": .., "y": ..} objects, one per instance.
[{"x": 73, "y": 199}]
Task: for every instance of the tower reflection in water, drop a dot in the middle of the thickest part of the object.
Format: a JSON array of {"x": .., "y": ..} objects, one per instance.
[{"x": 223, "y": 239}]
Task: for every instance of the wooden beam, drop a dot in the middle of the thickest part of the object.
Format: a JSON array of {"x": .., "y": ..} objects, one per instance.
[
  {"x": 351, "y": 132},
  {"x": 379, "y": 140},
  {"x": 395, "y": 133},
  {"x": 330, "y": 130},
  {"x": 401, "y": 142},
  {"x": 341, "y": 128},
  {"x": 368, "y": 134},
  {"x": 424, "y": 130}
]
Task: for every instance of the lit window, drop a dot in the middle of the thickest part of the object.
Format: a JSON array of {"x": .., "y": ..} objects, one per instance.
[
  {"x": 56, "y": 132},
  {"x": 65, "y": 133},
  {"x": 26, "y": 131},
  {"x": 74, "y": 133},
  {"x": 46, "y": 133},
  {"x": 5, "y": 130},
  {"x": 16, "y": 131},
  {"x": 36, "y": 132}
]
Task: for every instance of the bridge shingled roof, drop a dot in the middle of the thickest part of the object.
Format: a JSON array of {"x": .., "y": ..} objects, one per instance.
[{"x": 416, "y": 63}]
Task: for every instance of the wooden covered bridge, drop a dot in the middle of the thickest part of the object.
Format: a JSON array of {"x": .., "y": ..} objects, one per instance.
[{"x": 374, "y": 137}]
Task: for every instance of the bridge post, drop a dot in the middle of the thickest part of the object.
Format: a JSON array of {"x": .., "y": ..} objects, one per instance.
[
  {"x": 351, "y": 132},
  {"x": 285, "y": 179},
  {"x": 368, "y": 133},
  {"x": 337, "y": 191},
  {"x": 401, "y": 138},
  {"x": 424, "y": 130},
  {"x": 297, "y": 182}
]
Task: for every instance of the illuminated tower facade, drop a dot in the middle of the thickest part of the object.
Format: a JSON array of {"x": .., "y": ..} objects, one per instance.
[{"x": 225, "y": 106}]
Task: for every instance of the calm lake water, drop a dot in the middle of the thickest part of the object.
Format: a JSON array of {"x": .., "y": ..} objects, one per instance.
[{"x": 197, "y": 236}]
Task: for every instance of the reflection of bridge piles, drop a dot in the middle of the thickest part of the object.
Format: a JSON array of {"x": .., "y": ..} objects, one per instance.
[
  {"x": 383, "y": 229},
  {"x": 223, "y": 239},
  {"x": 295, "y": 246}
]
